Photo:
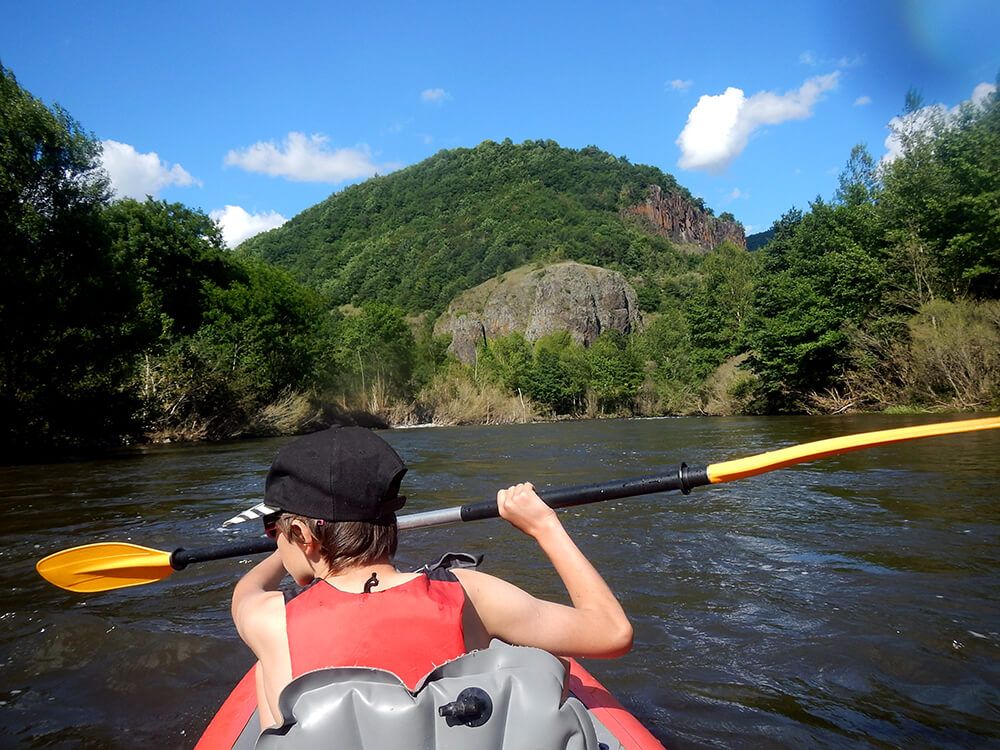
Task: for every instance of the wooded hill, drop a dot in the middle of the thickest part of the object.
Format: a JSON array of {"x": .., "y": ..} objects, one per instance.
[{"x": 419, "y": 236}]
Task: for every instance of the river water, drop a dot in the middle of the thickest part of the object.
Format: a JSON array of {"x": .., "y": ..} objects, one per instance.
[{"x": 851, "y": 602}]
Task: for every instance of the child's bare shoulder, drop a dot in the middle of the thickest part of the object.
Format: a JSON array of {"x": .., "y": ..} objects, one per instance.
[
  {"x": 260, "y": 619},
  {"x": 485, "y": 589}
]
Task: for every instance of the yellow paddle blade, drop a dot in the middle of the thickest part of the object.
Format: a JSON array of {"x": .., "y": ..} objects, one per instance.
[
  {"x": 104, "y": 566},
  {"x": 739, "y": 468}
]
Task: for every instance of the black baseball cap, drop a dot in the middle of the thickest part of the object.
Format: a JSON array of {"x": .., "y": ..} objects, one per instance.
[{"x": 338, "y": 474}]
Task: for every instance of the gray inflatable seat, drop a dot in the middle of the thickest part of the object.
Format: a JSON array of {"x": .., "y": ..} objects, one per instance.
[{"x": 500, "y": 697}]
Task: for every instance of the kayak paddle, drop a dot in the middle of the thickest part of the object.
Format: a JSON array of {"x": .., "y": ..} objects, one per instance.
[{"x": 114, "y": 565}]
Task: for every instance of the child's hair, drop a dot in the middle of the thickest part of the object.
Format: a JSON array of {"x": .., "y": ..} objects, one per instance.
[{"x": 346, "y": 544}]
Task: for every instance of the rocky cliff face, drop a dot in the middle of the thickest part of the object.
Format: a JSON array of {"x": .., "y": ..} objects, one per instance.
[
  {"x": 584, "y": 300},
  {"x": 674, "y": 217}
]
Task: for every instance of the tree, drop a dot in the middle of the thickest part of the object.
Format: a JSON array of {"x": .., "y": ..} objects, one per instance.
[
  {"x": 859, "y": 181},
  {"x": 270, "y": 332},
  {"x": 262, "y": 335},
  {"x": 942, "y": 198},
  {"x": 559, "y": 373},
  {"x": 375, "y": 347},
  {"x": 64, "y": 354},
  {"x": 941, "y": 202},
  {"x": 430, "y": 354},
  {"x": 507, "y": 360},
  {"x": 827, "y": 273},
  {"x": 665, "y": 343},
  {"x": 169, "y": 253},
  {"x": 615, "y": 371},
  {"x": 720, "y": 308}
]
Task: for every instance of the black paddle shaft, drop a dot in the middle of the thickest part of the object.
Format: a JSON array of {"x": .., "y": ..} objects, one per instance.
[
  {"x": 566, "y": 497},
  {"x": 684, "y": 479},
  {"x": 181, "y": 558}
]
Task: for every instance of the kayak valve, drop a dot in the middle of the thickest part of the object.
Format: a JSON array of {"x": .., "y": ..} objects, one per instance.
[{"x": 471, "y": 708}]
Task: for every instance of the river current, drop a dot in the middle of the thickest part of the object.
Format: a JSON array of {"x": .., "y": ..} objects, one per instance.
[{"x": 851, "y": 602}]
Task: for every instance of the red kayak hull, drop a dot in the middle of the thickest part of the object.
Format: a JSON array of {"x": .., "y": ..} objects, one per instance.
[{"x": 232, "y": 717}]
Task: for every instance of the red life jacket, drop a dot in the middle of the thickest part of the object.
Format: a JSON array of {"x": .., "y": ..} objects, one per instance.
[{"x": 407, "y": 629}]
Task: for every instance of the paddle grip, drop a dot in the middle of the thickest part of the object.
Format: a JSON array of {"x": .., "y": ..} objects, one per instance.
[
  {"x": 684, "y": 480},
  {"x": 181, "y": 558}
]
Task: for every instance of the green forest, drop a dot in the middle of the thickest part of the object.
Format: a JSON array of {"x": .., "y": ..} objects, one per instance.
[
  {"x": 421, "y": 235},
  {"x": 125, "y": 321}
]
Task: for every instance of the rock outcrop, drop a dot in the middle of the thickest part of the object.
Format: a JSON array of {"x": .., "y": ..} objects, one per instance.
[
  {"x": 673, "y": 216},
  {"x": 584, "y": 300}
]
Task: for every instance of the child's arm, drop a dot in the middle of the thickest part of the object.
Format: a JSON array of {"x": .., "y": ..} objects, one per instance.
[
  {"x": 259, "y": 614},
  {"x": 595, "y": 625},
  {"x": 263, "y": 577}
]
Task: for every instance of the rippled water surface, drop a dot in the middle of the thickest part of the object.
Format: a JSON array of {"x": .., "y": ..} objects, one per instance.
[{"x": 852, "y": 602}]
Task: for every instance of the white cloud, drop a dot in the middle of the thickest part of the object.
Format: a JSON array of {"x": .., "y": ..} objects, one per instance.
[
  {"x": 811, "y": 59},
  {"x": 719, "y": 127},
  {"x": 238, "y": 225},
  {"x": 981, "y": 92},
  {"x": 851, "y": 62},
  {"x": 678, "y": 85},
  {"x": 398, "y": 127},
  {"x": 735, "y": 194},
  {"x": 306, "y": 159},
  {"x": 924, "y": 119},
  {"x": 435, "y": 96},
  {"x": 135, "y": 175},
  {"x": 712, "y": 135},
  {"x": 862, "y": 101}
]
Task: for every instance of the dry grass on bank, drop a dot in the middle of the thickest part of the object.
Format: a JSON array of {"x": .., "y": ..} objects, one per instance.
[
  {"x": 187, "y": 433},
  {"x": 290, "y": 414},
  {"x": 729, "y": 389},
  {"x": 453, "y": 398}
]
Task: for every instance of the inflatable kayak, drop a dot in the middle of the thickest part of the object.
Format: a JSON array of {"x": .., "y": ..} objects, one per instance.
[{"x": 500, "y": 697}]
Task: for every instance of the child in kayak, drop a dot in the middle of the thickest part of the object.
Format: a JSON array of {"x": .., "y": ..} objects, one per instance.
[{"x": 334, "y": 495}]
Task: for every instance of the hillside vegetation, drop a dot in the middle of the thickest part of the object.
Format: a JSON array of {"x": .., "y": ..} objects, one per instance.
[{"x": 418, "y": 237}]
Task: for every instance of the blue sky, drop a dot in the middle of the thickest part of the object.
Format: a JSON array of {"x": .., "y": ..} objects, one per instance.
[{"x": 253, "y": 112}]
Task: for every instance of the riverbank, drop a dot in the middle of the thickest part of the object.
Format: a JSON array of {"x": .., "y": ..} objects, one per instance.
[
  {"x": 298, "y": 414},
  {"x": 453, "y": 404}
]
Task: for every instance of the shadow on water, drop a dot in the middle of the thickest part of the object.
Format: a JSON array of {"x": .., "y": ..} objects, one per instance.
[{"x": 849, "y": 602}]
